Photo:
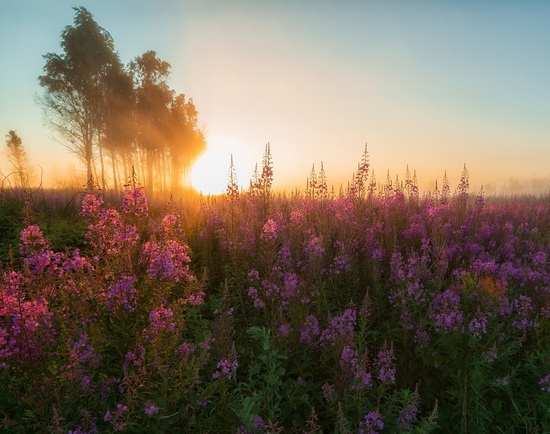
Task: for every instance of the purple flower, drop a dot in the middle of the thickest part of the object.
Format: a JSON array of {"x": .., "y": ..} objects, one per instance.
[
  {"x": 185, "y": 350},
  {"x": 348, "y": 359},
  {"x": 283, "y": 330},
  {"x": 422, "y": 338},
  {"x": 385, "y": 362},
  {"x": 340, "y": 326},
  {"x": 227, "y": 368},
  {"x": 545, "y": 384},
  {"x": 122, "y": 294},
  {"x": 168, "y": 260},
  {"x": 409, "y": 412},
  {"x": 151, "y": 409},
  {"x": 445, "y": 311},
  {"x": 523, "y": 312},
  {"x": 478, "y": 325},
  {"x": 504, "y": 381},
  {"x": 371, "y": 423},
  {"x": 135, "y": 203},
  {"x": 161, "y": 319},
  {"x": 491, "y": 354},
  {"x": 310, "y": 330},
  {"x": 314, "y": 248},
  {"x": 269, "y": 231}
]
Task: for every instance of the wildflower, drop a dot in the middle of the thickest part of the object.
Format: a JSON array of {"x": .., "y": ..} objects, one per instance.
[
  {"x": 110, "y": 235},
  {"x": 545, "y": 384},
  {"x": 329, "y": 392},
  {"x": 372, "y": 422},
  {"x": 362, "y": 379},
  {"x": 523, "y": 311},
  {"x": 422, "y": 338},
  {"x": 135, "y": 203},
  {"x": 340, "y": 326},
  {"x": 478, "y": 325},
  {"x": 161, "y": 319},
  {"x": 314, "y": 248},
  {"x": 258, "y": 422},
  {"x": 227, "y": 367},
  {"x": 90, "y": 205},
  {"x": 269, "y": 231},
  {"x": 385, "y": 362},
  {"x": 504, "y": 381},
  {"x": 35, "y": 251},
  {"x": 310, "y": 330},
  {"x": 82, "y": 356},
  {"x": 27, "y": 331},
  {"x": 348, "y": 359},
  {"x": 151, "y": 409},
  {"x": 253, "y": 294},
  {"x": 185, "y": 350},
  {"x": 445, "y": 311},
  {"x": 135, "y": 358},
  {"x": 283, "y": 330},
  {"x": 491, "y": 354},
  {"x": 122, "y": 294},
  {"x": 409, "y": 412},
  {"x": 168, "y": 260}
]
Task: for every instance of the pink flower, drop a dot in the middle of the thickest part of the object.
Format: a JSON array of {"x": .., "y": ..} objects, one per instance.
[{"x": 269, "y": 231}]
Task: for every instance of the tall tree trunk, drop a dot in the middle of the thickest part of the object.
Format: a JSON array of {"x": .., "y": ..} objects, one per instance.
[
  {"x": 114, "y": 167},
  {"x": 101, "y": 163}
]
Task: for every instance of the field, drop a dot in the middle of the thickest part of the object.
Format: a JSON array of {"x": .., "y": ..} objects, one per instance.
[{"x": 371, "y": 310}]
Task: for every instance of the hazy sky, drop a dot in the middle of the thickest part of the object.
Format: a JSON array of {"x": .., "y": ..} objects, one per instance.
[{"x": 432, "y": 84}]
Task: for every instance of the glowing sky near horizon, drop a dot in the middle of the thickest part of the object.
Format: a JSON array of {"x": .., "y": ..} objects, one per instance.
[{"x": 428, "y": 84}]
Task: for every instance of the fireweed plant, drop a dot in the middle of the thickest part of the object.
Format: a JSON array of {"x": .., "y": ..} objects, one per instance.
[{"x": 372, "y": 310}]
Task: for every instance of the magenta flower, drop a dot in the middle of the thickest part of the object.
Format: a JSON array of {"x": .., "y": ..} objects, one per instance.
[
  {"x": 167, "y": 260},
  {"x": 161, "y": 319},
  {"x": 135, "y": 203},
  {"x": 151, "y": 409},
  {"x": 122, "y": 294},
  {"x": 269, "y": 231},
  {"x": 371, "y": 423}
]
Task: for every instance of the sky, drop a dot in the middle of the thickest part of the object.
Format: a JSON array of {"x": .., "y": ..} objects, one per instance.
[{"x": 429, "y": 84}]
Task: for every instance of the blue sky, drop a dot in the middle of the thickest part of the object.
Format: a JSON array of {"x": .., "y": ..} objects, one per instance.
[{"x": 428, "y": 84}]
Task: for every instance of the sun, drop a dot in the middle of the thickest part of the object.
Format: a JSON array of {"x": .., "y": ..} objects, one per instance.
[{"x": 210, "y": 173}]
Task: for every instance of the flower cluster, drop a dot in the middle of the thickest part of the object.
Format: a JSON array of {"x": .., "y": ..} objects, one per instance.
[
  {"x": 135, "y": 203},
  {"x": 371, "y": 423},
  {"x": 446, "y": 312},
  {"x": 110, "y": 235},
  {"x": 342, "y": 326},
  {"x": 162, "y": 319},
  {"x": 26, "y": 327},
  {"x": 121, "y": 294},
  {"x": 269, "y": 231},
  {"x": 167, "y": 260},
  {"x": 82, "y": 358}
]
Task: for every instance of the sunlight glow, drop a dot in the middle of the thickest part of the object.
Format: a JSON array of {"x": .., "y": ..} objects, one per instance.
[{"x": 210, "y": 173}]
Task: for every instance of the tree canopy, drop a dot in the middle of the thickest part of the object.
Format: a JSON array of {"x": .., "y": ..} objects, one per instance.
[{"x": 118, "y": 116}]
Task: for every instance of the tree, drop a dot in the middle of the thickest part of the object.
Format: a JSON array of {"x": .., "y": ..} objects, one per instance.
[
  {"x": 168, "y": 136},
  {"x": 108, "y": 114},
  {"x": 186, "y": 141},
  {"x": 18, "y": 157},
  {"x": 153, "y": 100},
  {"x": 119, "y": 132},
  {"x": 76, "y": 85}
]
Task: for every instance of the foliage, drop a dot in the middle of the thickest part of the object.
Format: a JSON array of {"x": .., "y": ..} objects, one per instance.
[
  {"x": 374, "y": 311},
  {"x": 117, "y": 116}
]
